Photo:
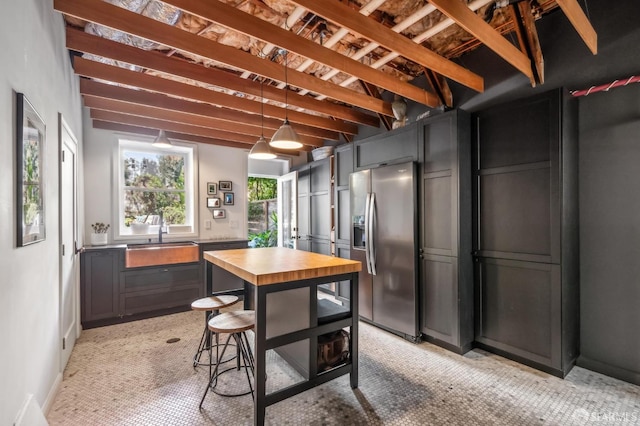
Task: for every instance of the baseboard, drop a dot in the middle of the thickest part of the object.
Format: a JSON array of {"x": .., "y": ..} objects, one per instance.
[
  {"x": 460, "y": 350},
  {"x": 30, "y": 414},
  {"x": 609, "y": 370},
  {"x": 51, "y": 396}
]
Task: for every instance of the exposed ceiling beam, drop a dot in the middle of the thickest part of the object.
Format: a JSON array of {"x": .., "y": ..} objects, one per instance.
[
  {"x": 440, "y": 87},
  {"x": 97, "y": 103},
  {"x": 126, "y": 128},
  {"x": 118, "y": 75},
  {"x": 463, "y": 16},
  {"x": 580, "y": 22},
  {"x": 371, "y": 90},
  {"x": 83, "y": 42},
  {"x": 157, "y": 100},
  {"x": 252, "y": 26},
  {"x": 344, "y": 16},
  {"x": 111, "y": 16},
  {"x": 528, "y": 37}
]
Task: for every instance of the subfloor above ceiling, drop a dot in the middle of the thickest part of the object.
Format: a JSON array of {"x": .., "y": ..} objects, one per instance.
[{"x": 199, "y": 70}]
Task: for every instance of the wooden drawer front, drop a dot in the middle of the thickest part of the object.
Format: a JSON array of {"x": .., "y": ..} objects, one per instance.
[{"x": 162, "y": 277}]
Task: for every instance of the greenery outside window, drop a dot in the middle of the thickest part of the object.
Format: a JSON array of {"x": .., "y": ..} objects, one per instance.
[{"x": 153, "y": 183}]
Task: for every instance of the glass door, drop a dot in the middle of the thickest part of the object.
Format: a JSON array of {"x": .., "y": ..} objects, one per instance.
[{"x": 288, "y": 210}]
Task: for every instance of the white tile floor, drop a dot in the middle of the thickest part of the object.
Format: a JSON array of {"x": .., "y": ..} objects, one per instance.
[{"x": 128, "y": 375}]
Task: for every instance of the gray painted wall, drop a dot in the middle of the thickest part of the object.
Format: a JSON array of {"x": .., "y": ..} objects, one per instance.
[
  {"x": 609, "y": 158},
  {"x": 610, "y": 232}
]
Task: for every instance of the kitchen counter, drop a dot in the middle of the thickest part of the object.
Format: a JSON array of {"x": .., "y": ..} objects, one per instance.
[{"x": 282, "y": 285}]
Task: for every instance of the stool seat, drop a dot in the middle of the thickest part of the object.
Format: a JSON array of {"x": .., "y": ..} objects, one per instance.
[
  {"x": 233, "y": 322},
  {"x": 213, "y": 303}
]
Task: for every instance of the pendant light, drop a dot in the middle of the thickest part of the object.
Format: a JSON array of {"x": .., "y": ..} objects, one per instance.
[
  {"x": 162, "y": 141},
  {"x": 286, "y": 137},
  {"x": 261, "y": 150}
]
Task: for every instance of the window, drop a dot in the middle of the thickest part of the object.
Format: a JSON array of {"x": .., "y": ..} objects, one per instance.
[{"x": 154, "y": 183}]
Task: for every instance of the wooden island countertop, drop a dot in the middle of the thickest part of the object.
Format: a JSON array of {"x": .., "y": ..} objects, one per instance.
[{"x": 271, "y": 265}]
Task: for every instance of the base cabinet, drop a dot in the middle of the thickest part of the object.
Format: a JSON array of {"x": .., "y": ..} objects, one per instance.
[
  {"x": 100, "y": 288},
  {"x": 156, "y": 288}
]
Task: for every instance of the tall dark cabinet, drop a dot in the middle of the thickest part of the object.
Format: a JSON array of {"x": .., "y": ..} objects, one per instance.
[
  {"x": 343, "y": 167},
  {"x": 526, "y": 231},
  {"x": 446, "y": 281}
]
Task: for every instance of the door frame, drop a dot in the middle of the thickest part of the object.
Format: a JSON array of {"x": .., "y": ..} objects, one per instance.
[
  {"x": 293, "y": 177},
  {"x": 67, "y": 140}
]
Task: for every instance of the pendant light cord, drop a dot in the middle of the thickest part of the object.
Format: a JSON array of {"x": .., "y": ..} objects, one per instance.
[
  {"x": 261, "y": 109},
  {"x": 286, "y": 86}
]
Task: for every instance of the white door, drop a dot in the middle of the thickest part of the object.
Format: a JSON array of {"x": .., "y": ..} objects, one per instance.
[
  {"x": 288, "y": 210},
  {"x": 69, "y": 293}
]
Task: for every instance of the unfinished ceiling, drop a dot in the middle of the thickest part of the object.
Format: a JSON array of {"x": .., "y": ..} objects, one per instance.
[{"x": 199, "y": 70}]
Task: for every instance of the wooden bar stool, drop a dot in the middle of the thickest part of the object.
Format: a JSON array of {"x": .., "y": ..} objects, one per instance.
[
  {"x": 235, "y": 323},
  {"x": 211, "y": 305}
]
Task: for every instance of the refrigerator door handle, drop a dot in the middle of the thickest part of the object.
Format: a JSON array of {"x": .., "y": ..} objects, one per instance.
[
  {"x": 372, "y": 231},
  {"x": 367, "y": 227}
]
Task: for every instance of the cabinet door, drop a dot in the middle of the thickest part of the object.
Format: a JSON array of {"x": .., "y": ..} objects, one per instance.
[
  {"x": 343, "y": 288},
  {"x": 100, "y": 284},
  {"x": 439, "y": 304},
  {"x": 343, "y": 164},
  {"x": 519, "y": 310},
  {"x": 397, "y": 146}
]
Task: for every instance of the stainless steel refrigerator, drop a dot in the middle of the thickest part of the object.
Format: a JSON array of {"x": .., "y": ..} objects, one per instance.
[{"x": 384, "y": 238}]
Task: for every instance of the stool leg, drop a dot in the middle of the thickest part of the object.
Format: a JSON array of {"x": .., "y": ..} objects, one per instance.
[
  {"x": 248, "y": 361},
  {"x": 201, "y": 347},
  {"x": 214, "y": 377}
]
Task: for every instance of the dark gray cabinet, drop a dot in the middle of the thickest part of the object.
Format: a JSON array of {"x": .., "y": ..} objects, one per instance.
[
  {"x": 315, "y": 219},
  {"x": 397, "y": 146},
  {"x": 343, "y": 167},
  {"x": 446, "y": 276},
  {"x": 526, "y": 231},
  {"x": 156, "y": 288},
  {"x": 100, "y": 288},
  {"x": 216, "y": 279}
]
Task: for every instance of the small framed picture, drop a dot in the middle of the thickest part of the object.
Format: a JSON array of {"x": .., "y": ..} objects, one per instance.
[
  {"x": 228, "y": 198},
  {"x": 213, "y": 202},
  {"x": 225, "y": 185},
  {"x": 219, "y": 214},
  {"x": 212, "y": 188}
]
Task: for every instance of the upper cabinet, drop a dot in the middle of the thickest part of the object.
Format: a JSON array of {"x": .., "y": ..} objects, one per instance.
[{"x": 396, "y": 146}]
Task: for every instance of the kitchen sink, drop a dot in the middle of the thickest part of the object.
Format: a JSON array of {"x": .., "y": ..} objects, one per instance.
[{"x": 138, "y": 255}]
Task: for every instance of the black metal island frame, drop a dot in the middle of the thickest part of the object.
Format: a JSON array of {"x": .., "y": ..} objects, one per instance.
[{"x": 281, "y": 285}]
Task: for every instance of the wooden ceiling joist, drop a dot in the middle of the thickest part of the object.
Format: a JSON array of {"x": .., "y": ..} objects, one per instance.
[
  {"x": 157, "y": 100},
  {"x": 475, "y": 25},
  {"x": 111, "y": 16},
  {"x": 580, "y": 22},
  {"x": 96, "y": 103},
  {"x": 126, "y": 77},
  {"x": 344, "y": 16},
  {"x": 137, "y": 130},
  {"x": 525, "y": 28},
  {"x": 252, "y": 26},
  {"x": 371, "y": 90},
  {"x": 83, "y": 42}
]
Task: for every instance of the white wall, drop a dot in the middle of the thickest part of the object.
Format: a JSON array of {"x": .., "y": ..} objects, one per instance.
[
  {"x": 36, "y": 63},
  {"x": 215, "y": 163}
]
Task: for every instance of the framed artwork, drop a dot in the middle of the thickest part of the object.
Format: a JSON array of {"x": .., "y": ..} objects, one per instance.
[
  {"x": 225, "y": 185},
  {"x": 228, "y": 198},
  {"x": 212, "y": 188},
  {"x": 219, "y": 214},
  {"x": 30, "y": 135},
  {"x": 213, "y": 202}
]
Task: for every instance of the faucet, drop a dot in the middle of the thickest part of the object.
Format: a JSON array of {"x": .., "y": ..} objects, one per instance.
[{"x": 160, "y": 229}]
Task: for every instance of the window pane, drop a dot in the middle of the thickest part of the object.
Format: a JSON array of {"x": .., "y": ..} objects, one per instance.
[{"x": 155, "y": 181}]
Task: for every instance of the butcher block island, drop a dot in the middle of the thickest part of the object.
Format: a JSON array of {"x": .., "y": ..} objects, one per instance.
[{"x": 281, "y": 285}]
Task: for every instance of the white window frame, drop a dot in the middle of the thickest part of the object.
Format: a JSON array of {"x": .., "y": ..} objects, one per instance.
[{"x": 123, "y": 233}]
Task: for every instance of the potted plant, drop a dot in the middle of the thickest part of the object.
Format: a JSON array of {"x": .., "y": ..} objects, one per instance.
[{"x": 99, "y": 234}]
